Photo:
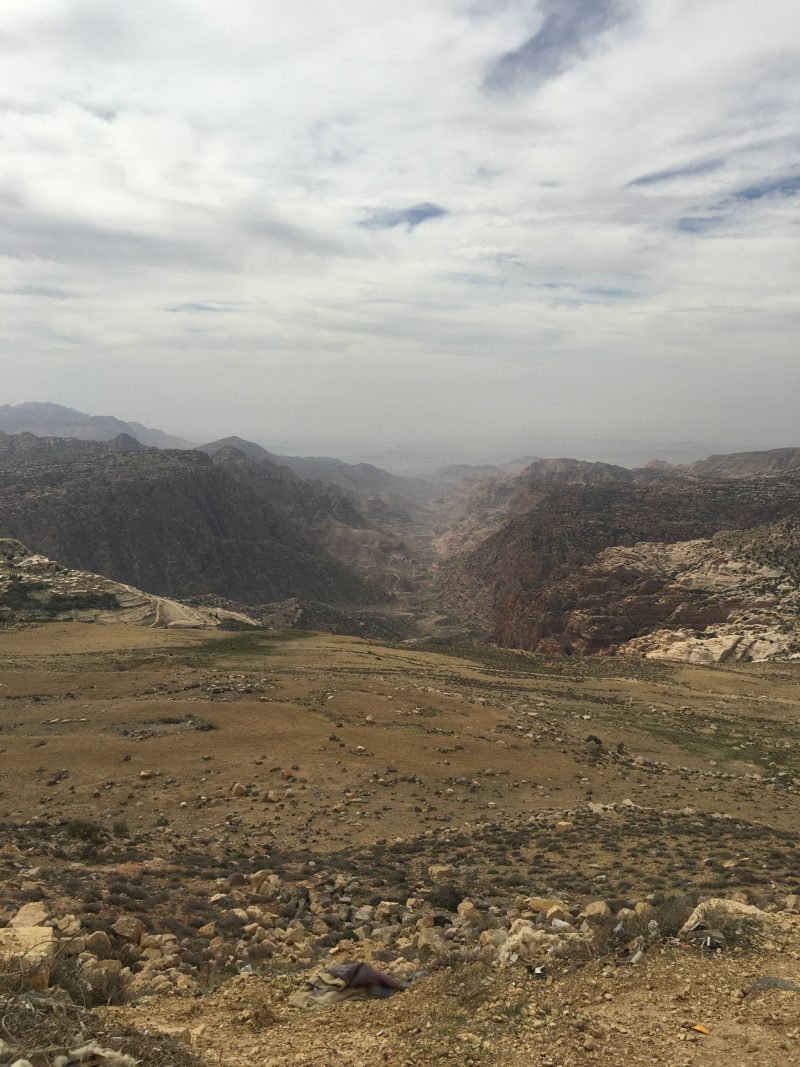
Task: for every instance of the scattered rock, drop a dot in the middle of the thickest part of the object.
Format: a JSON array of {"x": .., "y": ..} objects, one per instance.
[
  {"x": 129, "y": 928},
  {"x": 440, "y": 872},
  {"x": 33, "y": 914},
  {"x": 598, "y": 909}
]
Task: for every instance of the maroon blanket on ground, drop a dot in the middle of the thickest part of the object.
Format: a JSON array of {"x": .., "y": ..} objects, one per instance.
[{"x": 361, "y": 974}]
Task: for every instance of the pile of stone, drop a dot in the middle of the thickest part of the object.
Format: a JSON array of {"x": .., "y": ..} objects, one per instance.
[{"x": 263, "y": 919}]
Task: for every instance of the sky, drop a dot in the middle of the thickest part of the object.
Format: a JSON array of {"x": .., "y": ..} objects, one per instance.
[{"x": 364, "y": 225}]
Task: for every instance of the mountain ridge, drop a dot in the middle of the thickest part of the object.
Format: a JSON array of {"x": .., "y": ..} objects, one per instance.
[
  {"x": 562, "y": 555},
  {"x": 177, "y": 523},
  {"x": 55, "y": 420}
]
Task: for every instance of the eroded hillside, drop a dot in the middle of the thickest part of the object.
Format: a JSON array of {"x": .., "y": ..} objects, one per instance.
[
  {"x": 589, "y": 557},
  {"x": 182, "y": 524}
]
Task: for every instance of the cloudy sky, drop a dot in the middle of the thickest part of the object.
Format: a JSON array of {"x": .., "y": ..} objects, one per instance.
[{"x": 364, "y": 222}]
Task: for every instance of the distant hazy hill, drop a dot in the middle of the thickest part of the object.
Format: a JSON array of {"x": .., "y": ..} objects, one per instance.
[
  {"x": 249, "y": 448},
  {"x": 53, "y": 420},
  {"x": 747, "y": 464},
  {"x": 359, "y": 478}
]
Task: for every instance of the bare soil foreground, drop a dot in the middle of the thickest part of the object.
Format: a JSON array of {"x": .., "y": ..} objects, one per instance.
[{"x": 196, "y": 822}]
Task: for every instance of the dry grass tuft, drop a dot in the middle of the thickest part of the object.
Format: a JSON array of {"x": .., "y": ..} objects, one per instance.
[
  {"x": 737, "y": 929},
  {"x": 45, "y": 1026},
  {"x": 87, "y": 989}
]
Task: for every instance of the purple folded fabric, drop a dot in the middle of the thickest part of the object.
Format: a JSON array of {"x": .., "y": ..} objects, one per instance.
[{"x": 361, "y": 974}]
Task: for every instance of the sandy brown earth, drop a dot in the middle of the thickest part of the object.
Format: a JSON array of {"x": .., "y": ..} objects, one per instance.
[
  {"x": 595, "y": 1013},
  {"x": 202, "y": 758}
]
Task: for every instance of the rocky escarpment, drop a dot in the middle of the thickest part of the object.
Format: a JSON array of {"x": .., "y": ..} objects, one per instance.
[
  {"x": 180, "y": 524},
  {"x": 34, "y": 589},
  {"x": 30, "y": 448},
  {"x": 731, "y": 597},
  {"x": 541, "y": 580}
]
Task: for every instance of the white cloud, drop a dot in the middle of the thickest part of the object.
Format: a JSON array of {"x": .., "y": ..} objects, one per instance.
[{"x": 188, "y": 155}]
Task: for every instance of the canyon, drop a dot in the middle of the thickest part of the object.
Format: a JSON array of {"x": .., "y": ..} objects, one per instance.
[{"x": 697, "y": 562}]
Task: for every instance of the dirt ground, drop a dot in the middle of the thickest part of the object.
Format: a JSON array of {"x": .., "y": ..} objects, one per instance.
[
  {"x": 593, "y": 1014},
  {"x": 205, "y": 754},
  {"x": 82, "y": 699}
]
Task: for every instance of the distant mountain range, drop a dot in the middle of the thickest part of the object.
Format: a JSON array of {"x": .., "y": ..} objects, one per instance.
[
  {"x": 417, "y": 461},
  {"x": 53, "y": 420},
  {"x": 697, "y": 561},
  {"x": 61, "y": 423}
]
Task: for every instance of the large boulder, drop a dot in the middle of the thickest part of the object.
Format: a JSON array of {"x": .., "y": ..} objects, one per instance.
[
  {"x": 33, "y": 914},
  {"x": 732, "y": 908},
  {"x": 27, "y": 953}
]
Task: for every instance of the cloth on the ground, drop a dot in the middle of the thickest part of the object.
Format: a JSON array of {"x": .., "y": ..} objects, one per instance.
[{"x": 345, "y": 981}]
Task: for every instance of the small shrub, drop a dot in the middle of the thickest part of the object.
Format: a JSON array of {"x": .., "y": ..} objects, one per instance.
[
  {"x": 26, "y": 895},
  {"x": 737, "y": 929},
  {"x": 12, "y": 975},
  {"x": 22, "y": 974},
  {"x": 611, "y": 935},
  {"x": 91, "y": 833},
  {"x": 88, "y": 989},
  {"x": 671, "y": 913},
  {"x": 447, "y": 897},
  {"x": 515, "y": 1009}
]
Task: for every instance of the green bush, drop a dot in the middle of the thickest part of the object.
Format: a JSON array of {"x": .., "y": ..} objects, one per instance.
[{"x": 91, "y": 833}]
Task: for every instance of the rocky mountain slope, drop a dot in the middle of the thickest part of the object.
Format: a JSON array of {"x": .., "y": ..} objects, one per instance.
[
  {"x": 590, "y": 556},
  {"x": 34, "y": 589},
  {"x": 706, "y": 601},
  {"x": 396, "y": 515},
  {"x": 360, "y": 479},
  {"x": 54, "y": 420},
  {"x": 183, "y": 524}
]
